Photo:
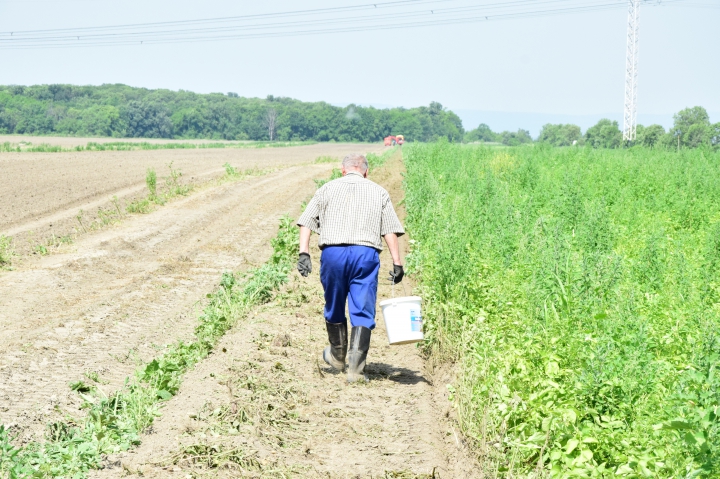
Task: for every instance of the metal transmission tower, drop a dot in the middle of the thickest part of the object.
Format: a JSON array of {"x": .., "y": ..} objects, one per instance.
[{"x": 631, "y": 72}]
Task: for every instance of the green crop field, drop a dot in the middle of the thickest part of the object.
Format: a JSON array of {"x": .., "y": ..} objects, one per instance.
[{"x": 578, "y": 290}]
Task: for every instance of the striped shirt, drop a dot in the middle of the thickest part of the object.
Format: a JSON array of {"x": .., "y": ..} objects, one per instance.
[{"x": 351, "y": 210}]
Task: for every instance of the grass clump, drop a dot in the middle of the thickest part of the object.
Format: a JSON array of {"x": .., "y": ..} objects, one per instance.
[
  {"x": 578, "y": 289},
  {"x": 172, "y": 188},
  {"x": 151, "y": 182},
  {"x": 230, "y": 171},
  {"x": 141, "y": 206},
  {"x": 376, "y": 161},
  {"x": 7, "y": 147},
  {"x": 6, "y": 252},
  {"x": 173, "y": 185},
  {"x": 52, "y": 242},
  {"x": 334, "y": 175},
  {"x": 28, "y": 147}
]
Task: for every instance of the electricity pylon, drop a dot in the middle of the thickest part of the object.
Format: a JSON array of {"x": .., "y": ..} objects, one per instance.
[{"x": 631, "y": 72}]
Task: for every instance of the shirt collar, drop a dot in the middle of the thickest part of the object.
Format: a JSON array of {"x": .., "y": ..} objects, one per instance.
[{"x": 354, "y": 173}]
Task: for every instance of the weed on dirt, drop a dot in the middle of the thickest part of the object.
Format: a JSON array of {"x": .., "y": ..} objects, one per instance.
[
  {"x": 151, "y": 183},
  {"x": 230, "y": 170},
  {"x": 336, "y": 173},
  {"x": 408, "y": 475},
  {"x": 172, "y": 189},
  {"x": 6, "y": 252},
  {"x": 52, "y": 243},
  {"x": 232, "y": 173},
  {"x": 376, "y": 161},
  {"x": 141, "y": 206}
]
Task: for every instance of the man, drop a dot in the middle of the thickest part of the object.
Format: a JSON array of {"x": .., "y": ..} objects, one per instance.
[{"x": 351, "y": 215}]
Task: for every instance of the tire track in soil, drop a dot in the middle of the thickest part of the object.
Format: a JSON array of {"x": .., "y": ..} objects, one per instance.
[
  {"x": 303, "y": 419},
  {"x": 117, "y": 293}
]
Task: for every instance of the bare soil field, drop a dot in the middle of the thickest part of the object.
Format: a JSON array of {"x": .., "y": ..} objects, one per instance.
[
  {"x": 42, "y": 193},
  {"x": 112, "y": 299}
]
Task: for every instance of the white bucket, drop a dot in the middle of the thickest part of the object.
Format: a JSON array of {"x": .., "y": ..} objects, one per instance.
[{"x": 403, "y": 319}]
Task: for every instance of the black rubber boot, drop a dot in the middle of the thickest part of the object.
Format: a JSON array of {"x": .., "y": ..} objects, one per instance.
[
  {"x": 335, "y": 354},
  {"x": 359, "y": 346}
]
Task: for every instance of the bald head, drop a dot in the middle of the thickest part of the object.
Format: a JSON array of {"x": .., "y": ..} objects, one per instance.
[{"x": 355, "y": 162}]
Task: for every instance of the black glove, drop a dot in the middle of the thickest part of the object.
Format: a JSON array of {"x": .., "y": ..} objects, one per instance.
[
  {"x": 396, "y": 275},
  {"x": 304, "y": 264}
]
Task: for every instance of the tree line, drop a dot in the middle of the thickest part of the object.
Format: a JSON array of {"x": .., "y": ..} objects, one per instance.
[
  {"x": 122, "y": 111},
  {"x": 691, "y": 129}
]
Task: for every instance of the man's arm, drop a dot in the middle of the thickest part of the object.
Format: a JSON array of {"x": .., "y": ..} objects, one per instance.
[
  {"x": 305, "y": 239},
  {"x": 393, "y": 245}
]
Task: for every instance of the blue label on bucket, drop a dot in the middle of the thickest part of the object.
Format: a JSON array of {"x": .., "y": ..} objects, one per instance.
[{"x": 415, "y": 321}]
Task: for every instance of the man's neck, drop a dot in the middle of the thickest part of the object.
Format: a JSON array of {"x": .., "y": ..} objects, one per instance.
[{"x": 355, "y": 173}]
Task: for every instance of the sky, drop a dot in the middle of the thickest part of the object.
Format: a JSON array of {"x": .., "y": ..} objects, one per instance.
[{"x": 512, "y": 73}]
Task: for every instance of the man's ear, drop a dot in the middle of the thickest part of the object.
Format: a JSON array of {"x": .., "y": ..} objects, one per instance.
[
  {"x": 344, "y": 172},
  {"x": 366, "y": 173}
]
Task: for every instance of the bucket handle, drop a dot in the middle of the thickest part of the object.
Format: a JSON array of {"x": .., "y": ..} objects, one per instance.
[{"x": 392, "y": 287}]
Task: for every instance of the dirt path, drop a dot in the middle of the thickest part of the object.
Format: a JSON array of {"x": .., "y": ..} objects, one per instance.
[
  {"x": 116, "y": 294},
  {"x": 264, "y": 405}
]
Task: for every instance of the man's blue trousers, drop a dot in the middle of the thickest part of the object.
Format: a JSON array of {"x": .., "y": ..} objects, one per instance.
[{"x": 350, "y": 273}]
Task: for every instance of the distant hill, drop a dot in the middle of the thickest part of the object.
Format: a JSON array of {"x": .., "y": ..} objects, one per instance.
[{"x": 126, "y": 112}]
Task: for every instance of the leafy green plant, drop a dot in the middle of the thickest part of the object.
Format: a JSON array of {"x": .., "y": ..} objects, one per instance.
[
  {"x": 116, "y": 204},
  {"x": 79, "y": 218},
  {"x": 172, "y": 183},
  {"x": 57, "y": 241},
  {"x": 151, "y": 182},
  {"x": 230, "y": 170},
  {"x": 576, "y": 288},
  {"x": 107, "y": 216},
  {"x": 139, "y": 206}
]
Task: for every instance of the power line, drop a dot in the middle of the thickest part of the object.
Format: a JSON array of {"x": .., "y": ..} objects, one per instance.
[
  {"x": 73, "y": 34},
  {"x": 436, "y": 17},
  {"x": 314, "y": 11}
]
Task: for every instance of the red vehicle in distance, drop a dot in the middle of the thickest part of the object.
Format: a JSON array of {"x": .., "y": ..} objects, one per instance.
[{"x": 394, "y": 140}]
